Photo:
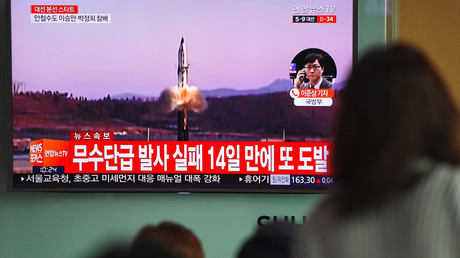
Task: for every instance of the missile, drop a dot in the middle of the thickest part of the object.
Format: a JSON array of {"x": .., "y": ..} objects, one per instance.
[
  {"x": 183, "y": 65},
  {"x": 182, "y": 76},
  {"x": 182, "y": 97}
]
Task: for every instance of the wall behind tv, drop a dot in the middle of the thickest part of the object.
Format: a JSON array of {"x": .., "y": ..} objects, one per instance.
[
  {"x": 434, "y": 28},
  {"x": 43, "y": 224}
]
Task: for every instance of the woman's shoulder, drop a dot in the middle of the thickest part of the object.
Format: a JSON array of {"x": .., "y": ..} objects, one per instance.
[
  {"x": 444, "y": 182},
  {"x": 436, "y": 182},
  {"x": 440, "y": 177}
]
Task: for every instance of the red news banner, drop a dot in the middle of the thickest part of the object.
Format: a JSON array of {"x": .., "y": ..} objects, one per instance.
[
  {"x": 48, "y": 9},
  {"x": 97, "y": 152}
]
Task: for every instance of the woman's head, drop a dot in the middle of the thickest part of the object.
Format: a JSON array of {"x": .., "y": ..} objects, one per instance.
[
  {"x": 167, "y": 240},
  {"x": 395, "y": 109}
]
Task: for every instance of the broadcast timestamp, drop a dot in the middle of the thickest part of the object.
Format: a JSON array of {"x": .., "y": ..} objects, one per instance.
[{"x": 311, "y": 180}]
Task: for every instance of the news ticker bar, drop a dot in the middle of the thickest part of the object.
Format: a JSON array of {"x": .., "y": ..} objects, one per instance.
[{"x": 248, "y": 181}]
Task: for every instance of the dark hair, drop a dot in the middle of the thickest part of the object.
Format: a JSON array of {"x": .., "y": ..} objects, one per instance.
[
  {"x": 395, "y": 110},
  {"x": 167, "y": 240},
  {"x": 271, "y": 241},
  {"x": 312, "y": 57}
]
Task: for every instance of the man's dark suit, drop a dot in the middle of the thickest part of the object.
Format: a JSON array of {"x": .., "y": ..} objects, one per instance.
[{"x": 325, "y": 84}]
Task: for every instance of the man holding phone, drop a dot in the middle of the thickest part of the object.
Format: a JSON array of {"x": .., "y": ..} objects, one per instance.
[{"x": 310, "y": 77}]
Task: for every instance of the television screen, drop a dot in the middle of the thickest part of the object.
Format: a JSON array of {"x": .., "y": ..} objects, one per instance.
[{"x": 236, "y": 96}]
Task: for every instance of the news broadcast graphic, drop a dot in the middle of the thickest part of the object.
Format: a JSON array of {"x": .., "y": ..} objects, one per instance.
[
  {"x": 166, "y": 96},
  {"x": 233, "y": 164}
]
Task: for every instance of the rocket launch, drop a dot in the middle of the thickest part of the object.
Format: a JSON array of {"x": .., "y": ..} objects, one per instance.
[{"x": 183, "y": 97}]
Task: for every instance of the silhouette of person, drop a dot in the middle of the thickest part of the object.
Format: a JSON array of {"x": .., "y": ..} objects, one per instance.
[{"x": 395, "y": 160}]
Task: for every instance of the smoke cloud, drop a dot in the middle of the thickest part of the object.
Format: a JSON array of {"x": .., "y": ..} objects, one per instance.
[{"x": 182, "y": 98}]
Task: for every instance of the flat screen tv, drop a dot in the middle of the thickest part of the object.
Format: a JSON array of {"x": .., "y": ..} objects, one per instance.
[{"x": 194, "y": 96}]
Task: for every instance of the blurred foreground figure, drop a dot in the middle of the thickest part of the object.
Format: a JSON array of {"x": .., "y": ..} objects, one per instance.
[
  {"x": 395, "y": 159},
  {"x": 271, "y": 241},
  {"x": 167, "y": 240}
]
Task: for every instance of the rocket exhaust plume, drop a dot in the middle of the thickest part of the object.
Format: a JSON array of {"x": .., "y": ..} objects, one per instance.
[{"x": 182, "y": 97}]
